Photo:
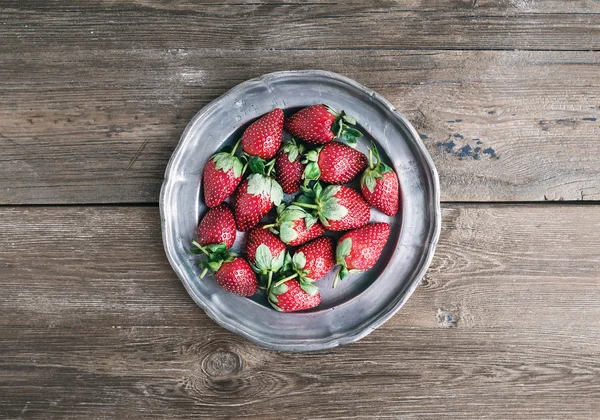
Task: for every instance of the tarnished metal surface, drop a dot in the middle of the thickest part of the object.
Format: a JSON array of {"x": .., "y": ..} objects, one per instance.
[{"x": 361, "y": 302}]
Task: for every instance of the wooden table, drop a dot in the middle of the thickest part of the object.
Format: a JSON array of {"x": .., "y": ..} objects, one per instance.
[{"x": 94, "y": 324}]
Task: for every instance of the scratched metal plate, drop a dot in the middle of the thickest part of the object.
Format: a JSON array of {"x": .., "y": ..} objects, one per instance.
[{"x": 360, "y": 303}]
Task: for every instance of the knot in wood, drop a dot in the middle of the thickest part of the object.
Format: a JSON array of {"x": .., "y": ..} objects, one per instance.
[{"x": 222, "y": 363}]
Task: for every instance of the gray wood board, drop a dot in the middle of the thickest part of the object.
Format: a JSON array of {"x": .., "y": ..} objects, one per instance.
[
  {"x": 83, "y": 125},
  {"x": 95, "y": 324},
  {"x": 351, "y": 25}
]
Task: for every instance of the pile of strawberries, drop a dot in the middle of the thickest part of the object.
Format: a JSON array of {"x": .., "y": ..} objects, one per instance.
[{"x": 289, "y": 277}]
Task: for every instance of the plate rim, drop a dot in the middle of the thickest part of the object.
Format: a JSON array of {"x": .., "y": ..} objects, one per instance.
[{"x": 383, "y": 316}]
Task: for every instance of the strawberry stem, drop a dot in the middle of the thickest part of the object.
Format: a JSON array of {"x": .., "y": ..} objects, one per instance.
[
  {"x": 337, "y": 278},
  {"x": 280, "y": 282},
  {"x": 371, "y": 165},
  {"x": 270, "y": 165},
  {"x": 235, "y": 147},
  {"x": 306, "y": 205},
  {"x": 200, "y": 247},
  {"x": 269, "y": 226},
  {"x": 203, "y": 273},
  {"x": 270, "y": 279}
]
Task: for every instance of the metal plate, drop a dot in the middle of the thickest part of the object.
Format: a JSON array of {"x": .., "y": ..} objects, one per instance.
[{"x": 361, "y": 302}]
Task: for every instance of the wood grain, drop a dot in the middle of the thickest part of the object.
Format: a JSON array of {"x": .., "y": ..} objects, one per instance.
[
  {"x": 95, "y": 324},
  {"x": 98, "y": 126},
  {"x": 457, "y": 24}
]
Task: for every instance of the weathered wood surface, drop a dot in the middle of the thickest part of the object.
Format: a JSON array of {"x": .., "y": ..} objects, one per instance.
[
  {"x": 87, "y": 125},
  {"x": 94, "y": 324},
  {"x": 456, "y": 24}
]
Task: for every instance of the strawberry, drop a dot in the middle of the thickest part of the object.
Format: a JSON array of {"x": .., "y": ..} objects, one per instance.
[
  {"x": 222, "y": 174},
  {"x": 288, "y": 296},
  {"x": 319, "y": 124},
  {"x": 266, "y": 253},
  {"x": 314, "y": 260},
  {"x": 233, "y": 273},
  {"x": 217, "y": 226},
  {"x": 263, "y": 137},
  {"x": 295, "y": 225},
  {"x": 359, "y": 250},
  {"x": 288, "y": 167},
  {"x": 237, "y": 277},
  {"x": 338, "y": 207},
  {"x": 379, "y": 184},
  {"x": 254, "y": 199},
  {"x": 334, "y": 163}
]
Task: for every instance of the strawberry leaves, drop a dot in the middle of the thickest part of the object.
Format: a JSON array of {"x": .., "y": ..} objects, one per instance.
[
  {"x": 267, "y": 187},
  {"x": 330, "y": 208},
  {"x": 311, "y": 170},
  {"x": 265, "y": 262},
  {"x": 256, "y": 165},
  {"x": 217, "y": 255},
  {"x": 323, "y": 201},
  {"x": 342, "y": 251},
  {"x": 341, "y": 128},
  {"x": 288, "y": 216},
  {"x": 306, "y": 283},
  {"x": 293, "y": 150},
  {"x": 375, "y": 170},
  {"x": 227, "y": 162}
]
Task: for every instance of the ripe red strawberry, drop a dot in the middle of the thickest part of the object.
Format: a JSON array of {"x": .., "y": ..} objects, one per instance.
[
  {"x": 232, "y": 272},
  {"x": 315, "y": 259},
  {"x": 263, "y": 137},
  {"x": 338, "y": 207},
  {"x": 237, "y": 277},
  {"x": 217, "y": 226},
  {"x": 334, "y": 163},
  {"x": 288, "y": 167},
  {"x": 254, "y": 199},
  {"x": 222, "y": 174},
  {"x": 359, "y": 250},
  {"x": 319, "y": 124},
  {"x": 379, "y": 184},
  {"x": 288, "y": 296},
  {"x": 296, "y": 226}
]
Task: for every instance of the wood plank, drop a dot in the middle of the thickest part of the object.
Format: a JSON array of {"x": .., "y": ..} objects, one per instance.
[
  {"x": 413, "y": 24},
  {"x": 70, "y": 267},
  {"x": 83, "y": 126},
  {"x": 187, "y": 372},
  {"x": 94, "y": 324}
]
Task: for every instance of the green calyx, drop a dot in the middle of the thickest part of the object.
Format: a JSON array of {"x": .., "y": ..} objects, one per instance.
[
  {"x": 259, "y": 166},
  {"x": 293, "y": 149},
  {"x": 341, "y": 128},
  {"x": 293, "y": 268},
  {"x": 265, "y": 262},
  {"x": 342, "y": 251},
  {"x": 298, "y": 264},
  {"x": 323, "y": 202},
  {"x": 217, "y": 254},
  {"x": 375, "y": 170},
  {"x": 311, "y": 165},
  {"x": 287, "y": 218},
  {"x": 265, "y": 186},
  {"x": 228, "y": 161}
]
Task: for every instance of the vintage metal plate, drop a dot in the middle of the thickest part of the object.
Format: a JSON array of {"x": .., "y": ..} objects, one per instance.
[{"x": 360, "y": 303}]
